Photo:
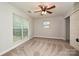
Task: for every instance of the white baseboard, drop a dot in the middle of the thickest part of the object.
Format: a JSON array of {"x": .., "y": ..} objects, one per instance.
[
  {"x": 51, "y": 37},
  {"x": 16, "y": 45}
]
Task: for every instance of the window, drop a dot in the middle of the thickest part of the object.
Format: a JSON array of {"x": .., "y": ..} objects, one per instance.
[
  {"x": 20, "y": 28},
  {"x": 46, "y": 24}
]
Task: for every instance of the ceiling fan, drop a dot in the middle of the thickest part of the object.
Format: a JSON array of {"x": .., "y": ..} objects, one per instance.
[{"x": 44, "y": 9}]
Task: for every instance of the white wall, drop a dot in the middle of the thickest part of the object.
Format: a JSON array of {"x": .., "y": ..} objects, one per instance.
[
  {"x": 56, "y": 30},
  {"x": 6, "y": 25},
  {"x": 74, "y": 27}
]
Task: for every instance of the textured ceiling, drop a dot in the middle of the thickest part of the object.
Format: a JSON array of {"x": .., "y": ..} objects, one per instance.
[{"x": 62, "y": 8}]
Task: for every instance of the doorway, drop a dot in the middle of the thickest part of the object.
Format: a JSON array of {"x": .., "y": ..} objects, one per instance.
[{"x": 67, "y": 24}]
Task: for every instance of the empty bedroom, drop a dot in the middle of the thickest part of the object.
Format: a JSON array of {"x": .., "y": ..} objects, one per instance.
[{"x": 39, "y": 28}]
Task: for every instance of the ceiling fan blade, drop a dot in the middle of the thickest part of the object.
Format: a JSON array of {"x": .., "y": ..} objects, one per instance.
[
  {"x": 51, "y": 7},
  {"x": 45, "y": 8},
  {"x": 49, "y": 12},
  {"x": 41, "y": 7}
]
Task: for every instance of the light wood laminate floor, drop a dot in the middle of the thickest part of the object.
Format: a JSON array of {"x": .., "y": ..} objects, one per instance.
[{"x": 43, "y": 47}]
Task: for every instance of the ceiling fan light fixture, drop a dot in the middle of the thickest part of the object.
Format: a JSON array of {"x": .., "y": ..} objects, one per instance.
[
  {"x": 45, "y": 8},
  {"x": 43, "y": 12}
]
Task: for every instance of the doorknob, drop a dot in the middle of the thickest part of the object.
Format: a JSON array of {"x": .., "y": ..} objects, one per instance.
[{"x": 77, "y": 39}]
